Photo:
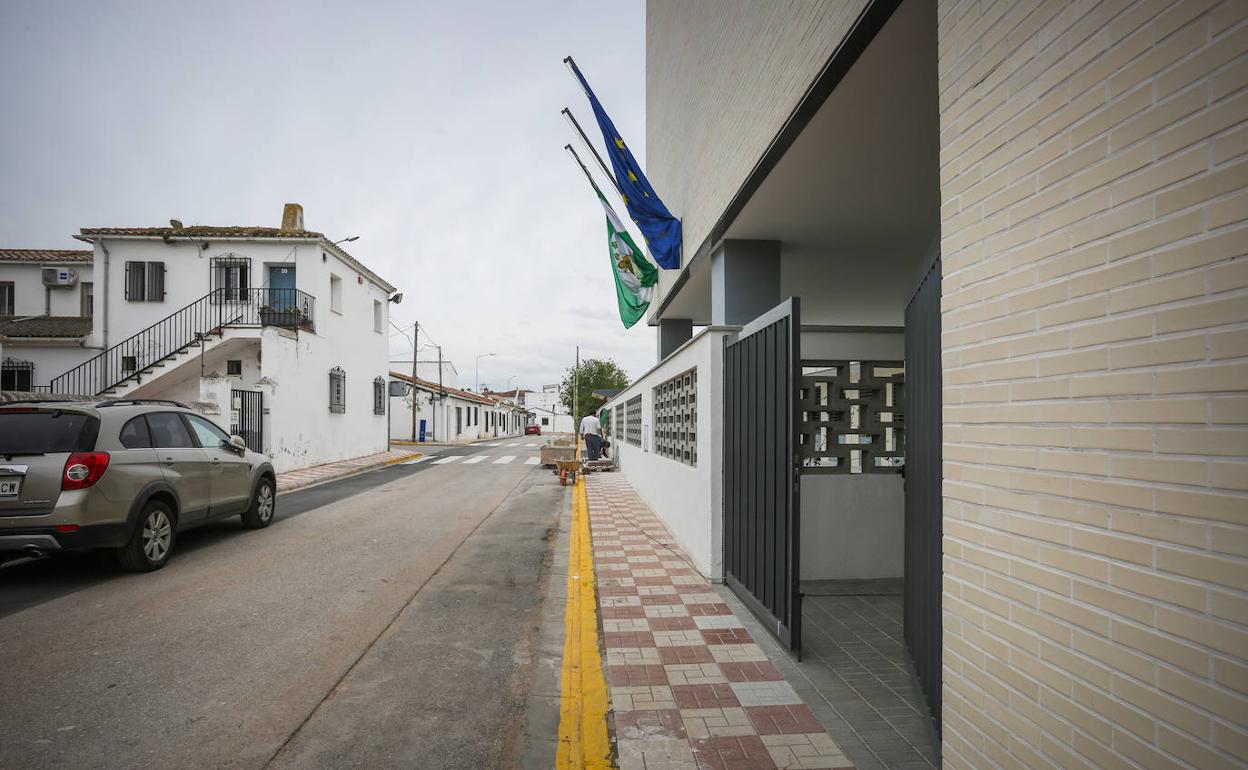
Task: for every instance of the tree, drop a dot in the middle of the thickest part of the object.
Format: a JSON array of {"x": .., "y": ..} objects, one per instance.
[{"x": 596, "y": 374}]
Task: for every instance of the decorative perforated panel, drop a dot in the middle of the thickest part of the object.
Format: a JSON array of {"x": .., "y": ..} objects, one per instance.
[
  {"x": 853, "y": 417},
  {"x": 676, "y": 418},
  {"x": 632, "y": 421}
]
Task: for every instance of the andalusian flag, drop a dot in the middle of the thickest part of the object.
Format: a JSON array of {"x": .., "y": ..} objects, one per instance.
[{"x": 634, "y": 275}]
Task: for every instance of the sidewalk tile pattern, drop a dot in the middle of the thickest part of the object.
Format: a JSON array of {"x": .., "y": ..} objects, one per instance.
[
  {"x": 318, "y": 473},
  {"x": 689, "y": 687}
]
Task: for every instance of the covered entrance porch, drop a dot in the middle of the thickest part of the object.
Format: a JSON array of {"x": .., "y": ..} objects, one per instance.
[{"x": 830, "y": 506}]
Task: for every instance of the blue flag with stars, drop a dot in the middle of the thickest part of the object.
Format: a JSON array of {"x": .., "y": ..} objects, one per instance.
[{"x": 660, "y": 229}]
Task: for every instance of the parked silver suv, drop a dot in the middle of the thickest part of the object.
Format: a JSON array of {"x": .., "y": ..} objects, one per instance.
[{"x": 127, "y": 475}]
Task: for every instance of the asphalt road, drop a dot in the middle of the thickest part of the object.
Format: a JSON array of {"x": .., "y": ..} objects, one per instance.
[{"x": 386, "y": 620}]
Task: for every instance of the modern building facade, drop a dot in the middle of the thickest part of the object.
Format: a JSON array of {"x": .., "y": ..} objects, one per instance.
[{"x": 964, "y": 303}]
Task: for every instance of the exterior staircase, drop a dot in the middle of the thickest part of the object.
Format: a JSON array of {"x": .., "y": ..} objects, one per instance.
[{"x": 170, "y": 341}]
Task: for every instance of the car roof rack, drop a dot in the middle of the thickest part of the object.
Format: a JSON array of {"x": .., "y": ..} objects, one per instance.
[{"x": 140, "y": 401}]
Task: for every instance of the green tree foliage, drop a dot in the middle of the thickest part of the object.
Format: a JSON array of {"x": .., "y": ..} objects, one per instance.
[{"x": 596, "y": 374}]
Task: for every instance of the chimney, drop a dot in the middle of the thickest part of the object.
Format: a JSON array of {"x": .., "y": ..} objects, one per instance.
[{"x": 292, "y": 217}]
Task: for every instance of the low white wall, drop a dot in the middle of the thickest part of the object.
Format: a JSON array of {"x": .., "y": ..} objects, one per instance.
[
  {"x": 853, "y": 527},
  {"x": 689, "y": 499}
]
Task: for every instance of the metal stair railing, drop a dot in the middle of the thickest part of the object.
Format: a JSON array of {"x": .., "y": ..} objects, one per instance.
[{"x": 209, "y": 315}]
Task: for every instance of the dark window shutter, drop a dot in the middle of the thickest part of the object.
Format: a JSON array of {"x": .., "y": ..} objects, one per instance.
[
  {"x": 155, "y": 281},
  {"x": 137, "y": 282}
]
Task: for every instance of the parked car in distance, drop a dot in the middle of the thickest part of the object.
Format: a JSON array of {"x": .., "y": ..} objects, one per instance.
[
  {"x": 532, "y": 430},
  {"x": 126, "y": 475}
]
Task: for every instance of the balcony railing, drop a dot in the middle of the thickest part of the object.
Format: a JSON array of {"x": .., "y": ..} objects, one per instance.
[{"x": 207, "y": 316}]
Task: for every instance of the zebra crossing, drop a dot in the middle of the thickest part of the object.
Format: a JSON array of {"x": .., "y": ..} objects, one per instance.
[{"x": 473, "y": 460}]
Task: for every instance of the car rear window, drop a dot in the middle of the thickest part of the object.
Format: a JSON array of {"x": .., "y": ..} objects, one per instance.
[{"x": 43, "y": 431}]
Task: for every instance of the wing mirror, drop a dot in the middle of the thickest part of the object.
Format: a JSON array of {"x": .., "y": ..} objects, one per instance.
[{"x": 238, "y": 444}]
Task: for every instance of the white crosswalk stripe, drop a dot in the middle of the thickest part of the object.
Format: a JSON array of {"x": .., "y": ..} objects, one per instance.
[
  {"x": 504, "y": 459},
  {"x": 532, "y": 461},
  {"x": 413, "y": 462},
  {"x": 475, "y": 459},
  {"x": 445, "y": 460}
]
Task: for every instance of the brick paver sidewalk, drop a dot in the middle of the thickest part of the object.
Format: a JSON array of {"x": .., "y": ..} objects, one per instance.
[
  {"x": 689, "y": 687},
  {"x": 317, "y": 473}
]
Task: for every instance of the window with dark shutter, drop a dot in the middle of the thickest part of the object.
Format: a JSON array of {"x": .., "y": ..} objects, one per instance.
[
  {"x": 155, "y": 281},
  {"x": 136, "y": 281},
  {"x": 7, "y": 298},
  {"x": 379, "y": 396}
]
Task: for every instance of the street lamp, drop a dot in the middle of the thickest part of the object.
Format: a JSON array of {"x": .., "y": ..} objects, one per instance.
[
  {"x": 509, "y": 379},
  {"x": 347, "y": 240},
  {"x": 476, "y": 387}
]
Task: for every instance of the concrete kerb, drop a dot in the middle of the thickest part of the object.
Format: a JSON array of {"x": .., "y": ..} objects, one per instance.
[{"x": 344, "y": 473}]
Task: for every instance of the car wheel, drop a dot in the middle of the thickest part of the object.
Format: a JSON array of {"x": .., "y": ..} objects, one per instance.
[
  {"x": 263, "y": 505},
  {"x": 152, "y": 541}
]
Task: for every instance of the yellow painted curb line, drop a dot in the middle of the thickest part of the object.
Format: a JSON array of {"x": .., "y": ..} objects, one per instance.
[
  {"x": 583, "y": 741},
  {"x": 404, "y": 458}
]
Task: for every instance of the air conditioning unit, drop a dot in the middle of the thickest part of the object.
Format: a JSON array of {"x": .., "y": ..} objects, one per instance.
[{"x": 55, "y": 277}]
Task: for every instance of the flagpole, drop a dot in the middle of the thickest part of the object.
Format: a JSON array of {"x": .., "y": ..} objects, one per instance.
[
  {"x": 572, "y": 119},
  {"x": 572, "y": 151},
  {"x": 576, "y": 73}
]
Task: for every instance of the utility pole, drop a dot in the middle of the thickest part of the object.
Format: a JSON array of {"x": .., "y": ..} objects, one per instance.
[
  {"x": 415, "y": 355},
  {"x": 441, "y": 393},
  {"x": 576, "y": 392}
]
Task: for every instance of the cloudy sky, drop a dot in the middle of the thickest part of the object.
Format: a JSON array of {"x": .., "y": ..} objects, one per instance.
[{"x": 429, "y": 129}]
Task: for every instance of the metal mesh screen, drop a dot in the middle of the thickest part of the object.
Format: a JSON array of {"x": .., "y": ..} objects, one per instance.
[
  {"x": 676, "y": 418},
  {"x": 632, "y": 421}
]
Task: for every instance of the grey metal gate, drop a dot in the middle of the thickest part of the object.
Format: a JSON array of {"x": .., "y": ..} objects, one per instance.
[
  {"x": 924, "y": 527},
  {"x": 247, "y": 417},
  {"x": 762, "y": 369}
]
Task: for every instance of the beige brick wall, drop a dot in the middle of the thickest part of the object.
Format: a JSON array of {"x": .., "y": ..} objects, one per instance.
[
  {"x": 722, "y": 76},
  {"x": 1094, "y": 230}
]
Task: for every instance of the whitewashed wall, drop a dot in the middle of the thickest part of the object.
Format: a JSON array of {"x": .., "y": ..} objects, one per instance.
[
  {"x": 689, "y": 499},
  {"x": 31, "y": 297}
]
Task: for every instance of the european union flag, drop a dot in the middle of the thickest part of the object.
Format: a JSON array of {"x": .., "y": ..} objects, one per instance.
[{"x": 660, "y": 229}]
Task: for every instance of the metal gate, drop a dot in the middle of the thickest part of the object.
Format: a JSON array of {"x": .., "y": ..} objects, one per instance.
[
  {"x": 924, "y": 527},
  {"x": 247, "y": 417},
  {"x": 762, "y": 369}
]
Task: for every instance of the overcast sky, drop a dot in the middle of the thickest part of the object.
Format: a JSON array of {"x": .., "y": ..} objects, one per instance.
[{"x": 429, "y": 129}]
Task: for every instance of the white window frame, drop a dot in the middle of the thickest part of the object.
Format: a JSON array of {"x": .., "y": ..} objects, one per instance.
[{"x": 335, "y": 293}]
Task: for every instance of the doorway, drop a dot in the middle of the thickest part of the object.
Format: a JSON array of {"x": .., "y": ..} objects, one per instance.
[{"x": 281, "y": 287}]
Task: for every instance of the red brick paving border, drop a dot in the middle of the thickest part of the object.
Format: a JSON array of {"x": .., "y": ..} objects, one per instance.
[{"x": 689, "y": 688}]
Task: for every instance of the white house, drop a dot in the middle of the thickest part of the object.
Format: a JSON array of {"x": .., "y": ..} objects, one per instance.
[
  {"x": 279, "y": 328},
  {"x": 446, "y": 414},
  {"x": 46, "y": 298},
  {"x": 546, "y": 408}
]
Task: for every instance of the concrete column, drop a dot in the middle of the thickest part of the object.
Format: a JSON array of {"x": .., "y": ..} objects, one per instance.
[
  {"x": 745, "y": 281},
  {"x": 672, "y": 333}
]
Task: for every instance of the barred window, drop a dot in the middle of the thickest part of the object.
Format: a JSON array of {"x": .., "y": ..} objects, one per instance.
[
  {"x": 379, "y": 396},
  {"x": 16, "y": 375},
  {"x": 231, "y": 278},
  {"x": 337, "y": 390},
  {"x": 606, "y": 422},
  {"x": 619, "y": 421},
  {"x": 632, "y": 421},
  {"x": 676, "y": 418}
]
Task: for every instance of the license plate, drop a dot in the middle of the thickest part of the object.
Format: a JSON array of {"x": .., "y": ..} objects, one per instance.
[{"x": 9, "y": 488}]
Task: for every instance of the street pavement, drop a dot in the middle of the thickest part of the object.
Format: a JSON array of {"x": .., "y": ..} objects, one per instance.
[{"x": 385, "y": 620}]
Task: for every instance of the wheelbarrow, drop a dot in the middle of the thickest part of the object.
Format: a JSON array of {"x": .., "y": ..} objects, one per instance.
[{"x": 567, "y": 470}]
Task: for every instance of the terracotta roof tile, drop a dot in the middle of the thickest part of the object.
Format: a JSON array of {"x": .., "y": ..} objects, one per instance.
[
  {"x": 204, "y": 231},
  {"x": 46, "y": 255},
  {"x": 46, "y": 326},
  {"x": 456, "y": 392}
]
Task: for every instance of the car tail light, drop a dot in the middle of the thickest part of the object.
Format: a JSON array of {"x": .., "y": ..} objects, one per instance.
[{"x": 83, "y": 469}]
